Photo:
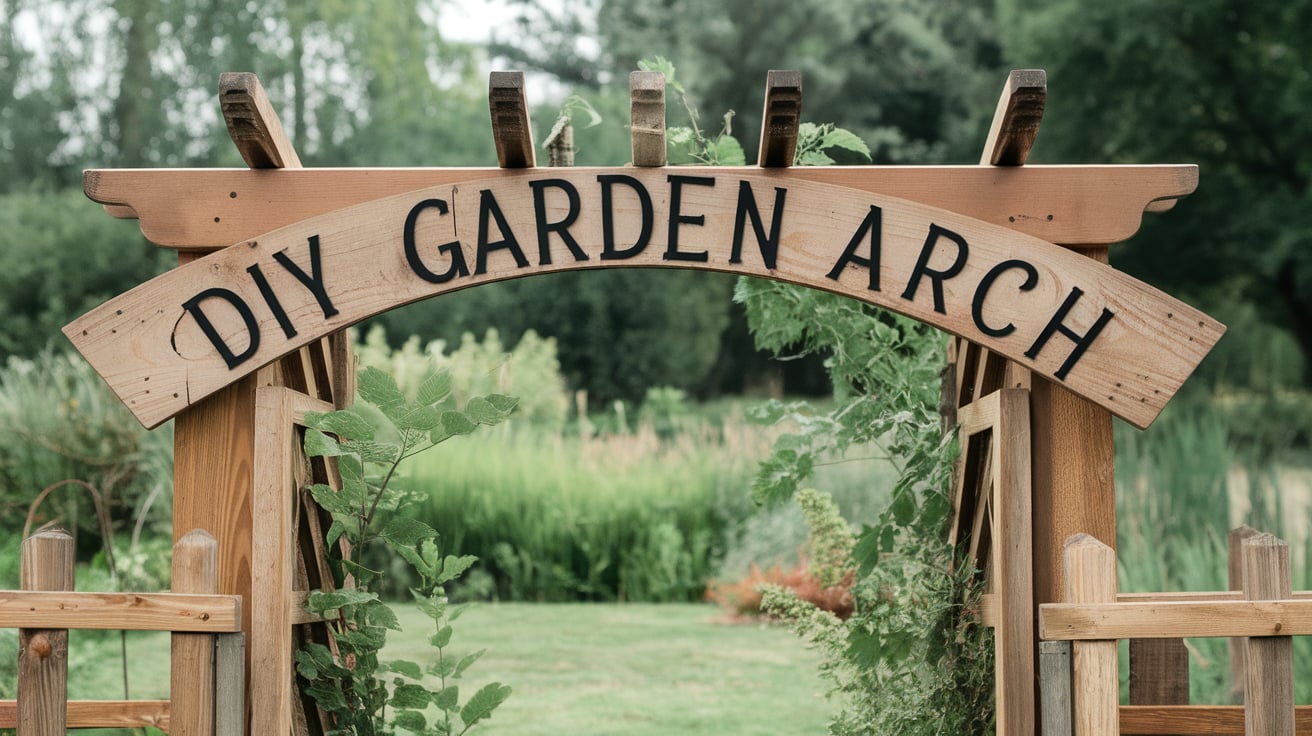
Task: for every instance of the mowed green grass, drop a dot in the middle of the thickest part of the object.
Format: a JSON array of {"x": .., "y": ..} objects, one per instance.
[
  {"x": 582, "y": 669},
  {"x": 632, "y": 669}
]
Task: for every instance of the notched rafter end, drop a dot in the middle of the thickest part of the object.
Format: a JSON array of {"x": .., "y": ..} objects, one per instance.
[
  {"x": 1016, "y": 119},
  {"x": 781, "y": 118},
  {"x": 511, "y": 128},
  {"x": 253, "y": 124},
  {"x": 647, "y": 118}
]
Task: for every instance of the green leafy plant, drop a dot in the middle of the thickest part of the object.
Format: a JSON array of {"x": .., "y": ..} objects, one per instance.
[
  {"x": 911, "y": 659},
  {"x": 370, "y": 443},
  {"x": 722, "y": 149}
]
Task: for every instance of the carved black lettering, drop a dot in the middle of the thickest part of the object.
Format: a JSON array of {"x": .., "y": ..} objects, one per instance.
[
  {"x": 986, "y": 283},
  {"x": 451, "y": 249},
  {"x": 677, "y": 218},
  {"x": 487, "y": 206},
  {"x": 561, "y": 227},
  {"x": 1082, "y": 342},
  {"x": 936, "y": 277},
  {"x": 252, "y": 327},
  {"x": 313, "y": 282},
  {"x": 767, "y": 242},
  {"x": 271, "y": 299},
  {"x": 608, "y": 250},
  {"x": 873, "y": 224}
]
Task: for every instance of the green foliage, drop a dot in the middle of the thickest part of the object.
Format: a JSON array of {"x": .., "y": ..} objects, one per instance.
[
  {"x": 910, "y": 660},
  {"x": 370, "y": 447},
  {"x": 720, "y": 150},
  {"x": 813, "y": 140}
]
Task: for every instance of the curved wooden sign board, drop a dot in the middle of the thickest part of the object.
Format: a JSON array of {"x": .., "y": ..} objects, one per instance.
[{"x": 174, "y": 340}]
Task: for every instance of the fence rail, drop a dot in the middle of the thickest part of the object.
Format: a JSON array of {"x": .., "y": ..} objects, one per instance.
[
  {"x": 1260, "y": 615},
  {"x": 206, "y": 639}
]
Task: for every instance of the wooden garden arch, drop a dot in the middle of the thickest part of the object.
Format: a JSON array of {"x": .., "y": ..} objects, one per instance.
[{"x": 275, "y": 260}]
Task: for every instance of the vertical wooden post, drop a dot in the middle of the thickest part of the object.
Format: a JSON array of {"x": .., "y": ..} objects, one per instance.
[
  {"x": 1090, "y": 577},
  {"x": 47, "y": 564},
  {"x": 1159, "y": 672},
  {"x": 1238, "y": 645},
  {"x": 1269, "y": 684},
  {"x": 1074, "y": 475},
  {"x": 647, "y": 118},
  {"x": 191, "y": 679},
  {"x": 1055, "y": 687}
]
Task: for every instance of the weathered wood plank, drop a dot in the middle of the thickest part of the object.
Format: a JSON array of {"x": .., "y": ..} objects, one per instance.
[
  {"x": 1012, "y": 562},
  {"x": 253, "y": 124},
  {"x": 1159, "y": 672},
  {"x": 1071, "y": 622},
  {"x": 1215, "y": 595},
  {"x": 1199, "y": 720},
  {"x": 1090, "y": 569},
  {"x": 1238, "y": 646},
  {"x": 122, "y": 611},
  {"x": 102, "y": 714},
  {"x": 647, "y": 118},
  {"x": 781, "y": 119},
  {"x": 1134, "y": 345},
  {"x": 1269, "y": 685},
  {"x": 46, "y": 564},
  {"x": 214, "y": 208},
  {"x": 1016, "y": 119},
  {"x": 511, "y": 128},
  {"x": 191, "y": 670},
  {"x": 230, "y": 684},
  {"x": 1055, "y": 687}
]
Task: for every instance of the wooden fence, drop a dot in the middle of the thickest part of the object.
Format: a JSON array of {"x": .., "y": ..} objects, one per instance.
[
  {"x": 207, "y": 672},
  {"x": 1078, "y": 657}
]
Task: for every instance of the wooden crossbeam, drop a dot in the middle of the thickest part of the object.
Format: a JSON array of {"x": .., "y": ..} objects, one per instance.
[
  {"x": 1083, "y": 622},
  {"x": 781, "y": 118},
  {"x": 510, "y": 123},
  {"x": 647, "y": 118},
  {"x": 1016, "y": 119},
  {"x": 102, "y": 714},
  {"x": 120, "y": 611},
  {"x": 253, "y": 124},
  {"x": 1199, "y": 720},
  {"x": 1072, "y": 205}
]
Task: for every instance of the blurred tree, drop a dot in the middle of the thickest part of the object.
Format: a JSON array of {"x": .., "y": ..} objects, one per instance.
[{"x": 1223, "y": 83}]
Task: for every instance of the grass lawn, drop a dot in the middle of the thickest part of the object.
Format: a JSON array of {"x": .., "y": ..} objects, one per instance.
[
  {"x": 634, "y": 669},
  {"x": 577, "y": 669}
]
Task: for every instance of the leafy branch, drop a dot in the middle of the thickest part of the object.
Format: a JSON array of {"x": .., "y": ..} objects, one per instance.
[{"x": 370, "y": 441}]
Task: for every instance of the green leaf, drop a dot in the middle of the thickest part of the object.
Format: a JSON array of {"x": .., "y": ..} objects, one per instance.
[
  {"x": 383, "y": 453},
  {"x": 813, "y": 158},
  {"x": 381, "y": 614},
  {"x": 846, "y": 140},
  {"x": 455, "y": 423},
  {"x": 410, "y": 720},
  {"x": 442, "y": 637},
  {"x": 727, "y": 151},
  {"x": 420, "y": 418},
  {"x": 447, "y": 698},
  {"x": 378, "y": 388},
  {"x": 435, "y": 388},
  {"x": 481, "y": 411},
  {"x": 345, "y": 423},
  {"x": 410, "y": 695},
  {"x": 402, "y": 531},
  {"x": 484, "y": 702},
  {"x": 677, "y": 135},
  {"x": 466, "y": 661},
  {"x": 503, "y": 403},
  {"x": 323, "y": 601},
  {"x": 407, "y": 668},
  {"x": 903, "y": 507},
  {"x": 318, "y": 444},
  {"x": 453, "y": 567}
]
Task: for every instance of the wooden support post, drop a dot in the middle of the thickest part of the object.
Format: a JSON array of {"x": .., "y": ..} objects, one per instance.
[
  {"x": 647, "y": 118},
  {"x": 1055, "y": 687},
  {"x": 510, "y": 123},
  {"x": 1090, "y": 577},
  {"x": 191, "y": 679},
  {"x": 47, "y": 564},
  {"x": 1238, "y": 645},
  {"x": 781, "y": 119},
  {"x": 1269, "y": 688},
  {"x": 1016, "y": 119}
]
